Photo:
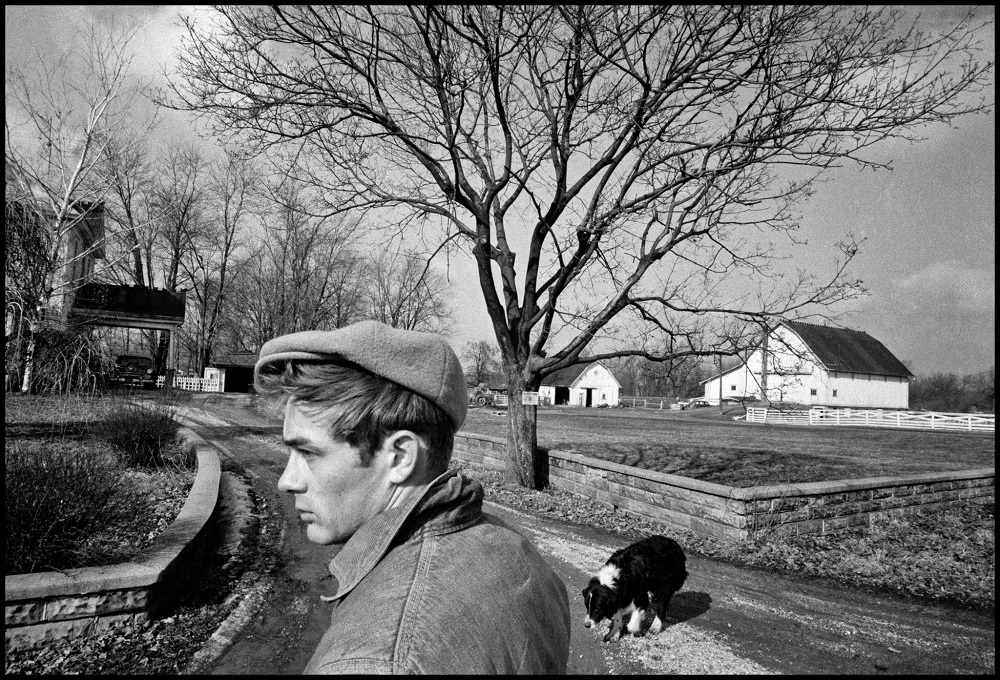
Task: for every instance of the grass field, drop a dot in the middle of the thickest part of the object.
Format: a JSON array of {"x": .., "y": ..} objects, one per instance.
[{"x": 704, "y": 444}]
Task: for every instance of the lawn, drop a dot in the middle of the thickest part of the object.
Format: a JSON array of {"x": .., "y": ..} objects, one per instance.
[{"x": 705, "y": 445}]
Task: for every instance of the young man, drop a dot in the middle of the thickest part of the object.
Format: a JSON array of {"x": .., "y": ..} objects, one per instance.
[{"x": 427, "y": 583}]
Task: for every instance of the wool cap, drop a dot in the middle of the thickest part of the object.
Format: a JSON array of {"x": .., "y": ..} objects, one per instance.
[{"x": 421, "y": 362}]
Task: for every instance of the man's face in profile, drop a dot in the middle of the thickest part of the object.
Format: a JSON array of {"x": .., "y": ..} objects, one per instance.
[{"x": 334, "y": 494}]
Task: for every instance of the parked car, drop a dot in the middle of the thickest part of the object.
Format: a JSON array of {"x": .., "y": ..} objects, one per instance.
[
  {"x": 134, "y": 369},
  {"x": 696, "y": 403}
]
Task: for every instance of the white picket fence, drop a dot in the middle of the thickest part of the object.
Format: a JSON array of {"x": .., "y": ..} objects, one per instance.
[
  {"x": 191, "y": 384},
  {"x": 911, "y": 420}
]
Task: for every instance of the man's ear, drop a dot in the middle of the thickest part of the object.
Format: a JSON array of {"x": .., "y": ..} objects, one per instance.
[{"x": 405, "y": 458}]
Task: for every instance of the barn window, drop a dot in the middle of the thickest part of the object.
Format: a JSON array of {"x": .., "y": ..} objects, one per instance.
[
  {"x": 813, "y": 391},
  {"x": 732, "y": 387},
  {"x": 835, "y": 393}
]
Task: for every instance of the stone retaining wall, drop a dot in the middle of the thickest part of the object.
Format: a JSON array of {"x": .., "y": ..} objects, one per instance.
[
  {"x": 732, "y": 513},
  {"x": 45, "y": 607},
  {"x": 492, "y": 452}
]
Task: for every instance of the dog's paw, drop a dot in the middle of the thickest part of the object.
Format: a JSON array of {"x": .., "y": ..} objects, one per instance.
[
  {"x": 656, "y": 627},
  {"x": 635, "y": 623}
]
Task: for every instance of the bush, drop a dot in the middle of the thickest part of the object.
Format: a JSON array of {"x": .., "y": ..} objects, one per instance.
[
  {"x": 66, "y": 361},
  {"x": 58, "y": 495},
  {"x": 143, "y": 434}
]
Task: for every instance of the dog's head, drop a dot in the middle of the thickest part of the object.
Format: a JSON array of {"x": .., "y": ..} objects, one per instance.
[{"x": 601, "y": 602}]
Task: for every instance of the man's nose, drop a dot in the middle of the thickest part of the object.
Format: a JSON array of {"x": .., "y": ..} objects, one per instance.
[{"x": 291, "y": 480}]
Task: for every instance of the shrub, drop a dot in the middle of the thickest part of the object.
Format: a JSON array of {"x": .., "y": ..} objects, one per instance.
[
  {"x": 145, "y": 435},
  {"x": 56, "y": 496},
  {"x": 67, "y": 361}
]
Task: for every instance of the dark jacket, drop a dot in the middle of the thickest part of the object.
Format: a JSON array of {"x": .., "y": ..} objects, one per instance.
[{"x": 436, "y": 586}]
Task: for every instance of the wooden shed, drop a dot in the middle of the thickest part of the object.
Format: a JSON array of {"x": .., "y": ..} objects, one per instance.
[{"x": 233, "y": 371}]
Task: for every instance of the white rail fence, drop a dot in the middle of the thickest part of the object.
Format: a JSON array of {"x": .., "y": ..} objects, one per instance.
[
  {"x": 661, "y": 403},
  {"x": 191, "y": 384},
  {"x": 912, "y": 420}
]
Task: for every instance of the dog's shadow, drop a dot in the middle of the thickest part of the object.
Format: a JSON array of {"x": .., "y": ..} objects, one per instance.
[
  {"x": 684, "y": 606},
  {"x": 687, "y": 605}
]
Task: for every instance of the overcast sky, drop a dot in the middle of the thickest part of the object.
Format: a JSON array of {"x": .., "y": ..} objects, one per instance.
[{"x": 929, "y": 260}]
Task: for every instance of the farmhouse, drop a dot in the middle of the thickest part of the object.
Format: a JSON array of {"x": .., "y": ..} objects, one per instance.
[
  {"x": 590, "y": 384},
  {"x": 817, "y": 366}
]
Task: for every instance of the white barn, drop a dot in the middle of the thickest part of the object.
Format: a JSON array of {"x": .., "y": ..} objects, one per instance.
[
  {"x": 818, "y": 366},
  {"x": 590, "y": 384}
]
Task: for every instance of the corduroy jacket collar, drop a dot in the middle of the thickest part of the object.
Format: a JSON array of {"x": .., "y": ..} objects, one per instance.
[{"x": 449, "y": 503}]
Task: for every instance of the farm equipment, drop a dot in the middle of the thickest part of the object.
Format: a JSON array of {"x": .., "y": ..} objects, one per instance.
[
  {"x": 484, "y": 396},
  {"x": 480, "y": 396}
]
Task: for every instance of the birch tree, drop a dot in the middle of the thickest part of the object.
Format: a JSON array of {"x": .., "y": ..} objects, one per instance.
[
  {"x": 628, "y": 170},
  {"x": 62, "y": 107}
]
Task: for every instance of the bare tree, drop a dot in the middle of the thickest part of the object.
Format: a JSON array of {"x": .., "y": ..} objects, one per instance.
[
  {"x": 302, "y": 275},
  {"x": 404, "y": 292},
  {"x": 231, "y": 194},
  {"x": 62, "y": 108},
  {"x": 180, "y": 203},
  {"x": 641, "y": 377},
  {"x": 635, "y": 161},
  {"x": 129, "y": 171},
  {"x": 484, "y": 361}
]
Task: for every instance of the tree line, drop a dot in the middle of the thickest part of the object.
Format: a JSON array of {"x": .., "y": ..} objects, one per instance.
[
  {"x": 952, "y": 393},
  {"x": 249, "y": 245}
]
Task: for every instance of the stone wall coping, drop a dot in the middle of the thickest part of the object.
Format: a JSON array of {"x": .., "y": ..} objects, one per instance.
[
  {"x": 149, "y": 566},
  {"x": 779, "y": 490},
  {"x": 651, "y": 475},
  {"x": 860, "y": 484},
  {"x": 496, "y": 440},
  {"x": 473, "y": 435}
]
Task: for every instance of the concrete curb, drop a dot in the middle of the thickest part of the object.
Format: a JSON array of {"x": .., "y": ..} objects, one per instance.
[
  {"x": 42, "y": 608},
  {"x": 225, "y": 635}
]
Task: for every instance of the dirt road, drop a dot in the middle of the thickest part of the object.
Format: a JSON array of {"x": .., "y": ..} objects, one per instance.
[{"x": 726, "y": 619}]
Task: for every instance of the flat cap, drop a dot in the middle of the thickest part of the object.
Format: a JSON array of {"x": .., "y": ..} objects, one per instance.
[{"x": 421, "y": 362}]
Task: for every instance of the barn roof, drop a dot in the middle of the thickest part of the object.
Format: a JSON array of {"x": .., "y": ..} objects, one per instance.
[
  {"x": 565, "y": 377},
  {"x": 843, "y": 349}
]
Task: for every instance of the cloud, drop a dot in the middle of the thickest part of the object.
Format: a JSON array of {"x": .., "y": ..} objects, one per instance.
[
  {"x": 951, "y": 283},
  {"x": 940, "y": 318}
]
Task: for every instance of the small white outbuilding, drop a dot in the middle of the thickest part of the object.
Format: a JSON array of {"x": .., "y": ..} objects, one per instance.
[{"x": 589, "y": 385}]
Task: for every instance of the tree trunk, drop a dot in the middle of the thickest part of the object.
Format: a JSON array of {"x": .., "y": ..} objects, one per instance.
[
  {"x": 34, "y": 327},
  {"x": 29, "y": 364},
  {"x": 522, "y": 435}
]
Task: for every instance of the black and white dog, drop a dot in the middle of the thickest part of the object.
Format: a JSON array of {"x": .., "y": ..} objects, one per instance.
[{"x": 654, "y": 565}]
